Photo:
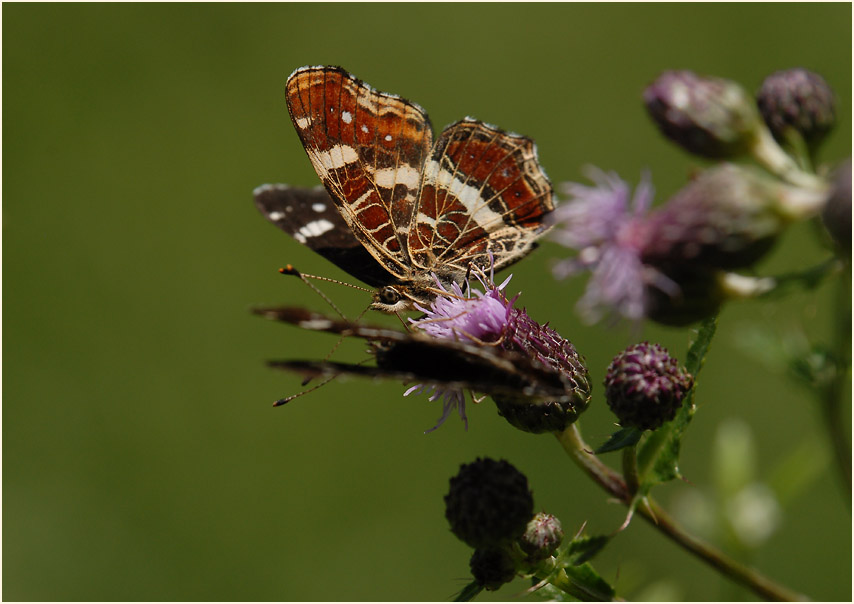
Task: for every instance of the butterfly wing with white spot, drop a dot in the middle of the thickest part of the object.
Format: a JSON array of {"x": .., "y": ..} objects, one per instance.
[
  {"x": 310, "y": 217},
  {"x": 368, "y": 148},
  {"x": 483, "y": 191}
]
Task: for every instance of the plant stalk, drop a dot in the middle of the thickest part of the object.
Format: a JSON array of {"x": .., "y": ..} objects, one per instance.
[
  {"x": 834, "y": 392},
  {"x": 613, "y": 483}
]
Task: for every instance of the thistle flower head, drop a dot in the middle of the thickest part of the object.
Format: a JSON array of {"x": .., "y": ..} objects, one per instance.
[
  {"x": 488, "y": 318},
  {"x": 797, "y": 100},
  {"x": 605, "y": 224},
  {"x": 492, "y": 567},
  {"x": 489, "y": 503},
  {"x": 708, "y": 116},
  {"x": 457, "y": 315},
  {"x": 669, "y": 260},
  {"x": 837, "y": 211},
  {"x": 728, "y": 217},
  {"x": 549, "y": 349},
  {"x": 645, "y": 386},
  {"x": 470, "y": 316}
]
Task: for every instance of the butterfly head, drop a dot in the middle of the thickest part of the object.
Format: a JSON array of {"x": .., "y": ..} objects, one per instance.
[{"x": 393, "y": 299}]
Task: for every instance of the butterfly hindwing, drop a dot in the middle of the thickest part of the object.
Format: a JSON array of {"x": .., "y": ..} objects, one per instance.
[
  {"x": 483, "y": 190},
  {"x": 312, "y": 218},
  {"x": 416, "y": 357}
]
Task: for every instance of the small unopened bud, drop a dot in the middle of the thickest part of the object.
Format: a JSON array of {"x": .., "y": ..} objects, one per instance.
[
  {"x": 541, "y": 342},
  {"x": 797, "y": 100},
  {"x": 542, "y": 537},
  {"x": 645, "y": 386},
  {"x": 711, "y": 117},
  {"x": 837, "y": 211},
  {"x": 492, "y": 567},
  {"x": 489, "y": 503}
]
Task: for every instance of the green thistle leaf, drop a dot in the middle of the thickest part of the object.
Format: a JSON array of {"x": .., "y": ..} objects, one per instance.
[
  {"x": 624, "y": 437},
  {"x": 469, "y": 592},
  {"x": 658, "y": 458},
  {"x": 586, "y": 584},
  {"x": 585, "y": 548}
]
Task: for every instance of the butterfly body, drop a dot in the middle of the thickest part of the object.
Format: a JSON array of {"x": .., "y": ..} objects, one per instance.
[{"x": 419, "y": 209}]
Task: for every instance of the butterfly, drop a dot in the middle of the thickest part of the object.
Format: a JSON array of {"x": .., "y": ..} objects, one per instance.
[
  {"x": 398, "y": 207},
  {"x": 414, "y": 356}
]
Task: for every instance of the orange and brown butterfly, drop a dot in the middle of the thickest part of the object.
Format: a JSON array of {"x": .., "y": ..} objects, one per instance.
[{"x": 408, "y": 207}]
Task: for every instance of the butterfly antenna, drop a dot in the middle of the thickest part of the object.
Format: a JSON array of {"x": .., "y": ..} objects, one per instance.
[
  {"x": 335, "y": 347},
  {"x": 304, "y": 277},
  {"x": 288, "y": 399},
  {"x": 291, "y": 270}
]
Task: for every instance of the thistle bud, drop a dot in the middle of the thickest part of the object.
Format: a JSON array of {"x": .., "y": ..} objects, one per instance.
[
  {"x": 728, "y": 217},
  {"x": 489, "y": 503},
  {"x": 542, "y": 537},
  {"x": 837, "y": 211},
  {"x": 492, "y": 567},
  {"x": 797, "y": 100},
  {"x": 541, "y": 342},
  {"x": 696, "y": 294},
  {"x": 645, "y": 387},
  {"x": 711, "y": 117}
]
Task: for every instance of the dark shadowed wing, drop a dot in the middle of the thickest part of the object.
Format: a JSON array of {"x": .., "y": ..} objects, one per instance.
[
  {"x": 419, "y": 358},
  {"x": 310, "y": 217}
]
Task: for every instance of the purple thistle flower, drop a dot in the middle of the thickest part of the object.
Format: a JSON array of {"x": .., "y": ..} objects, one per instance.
[
  {"x": 488, "y": 318},
  {"x": 668, "y": 264},
  {"x": 606, "y": 224},
  {"x": 456, "y": 315},
  {"x": 452, "y": 398},
  {"x": 481, "y": 317}
]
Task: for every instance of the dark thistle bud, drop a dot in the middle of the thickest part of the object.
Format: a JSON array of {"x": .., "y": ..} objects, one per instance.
[
  {"x": 797, "y": 100},
  {"x": 645, "y": 387},
  {"x": 542, "y": 537},
  {"x": 541, "y": 342},
  {"x": 489, "y": 503},
  {"x": 837, "y": 211},
  {"x": 492, "y": 567},
  {"x": 711, "y": 117},
  {"x": 728, "y": 217},
  {"x": 697, "y": 293}
]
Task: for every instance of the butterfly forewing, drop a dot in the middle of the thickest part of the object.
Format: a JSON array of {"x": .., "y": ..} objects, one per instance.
[{"x": 368, "y": 149}]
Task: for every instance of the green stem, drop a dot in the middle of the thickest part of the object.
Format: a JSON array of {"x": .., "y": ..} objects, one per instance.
[
  {"x": 833, "y": 393},
  {"x": 608, "y": 479},
  {"x": 630, "y": 469}
]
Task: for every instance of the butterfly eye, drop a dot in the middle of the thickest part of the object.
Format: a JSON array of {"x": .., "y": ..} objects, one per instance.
[{"x": 389, "y": 295}]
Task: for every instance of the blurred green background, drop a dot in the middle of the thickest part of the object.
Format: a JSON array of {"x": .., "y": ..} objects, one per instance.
[{"x": 141, "y": 457}]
